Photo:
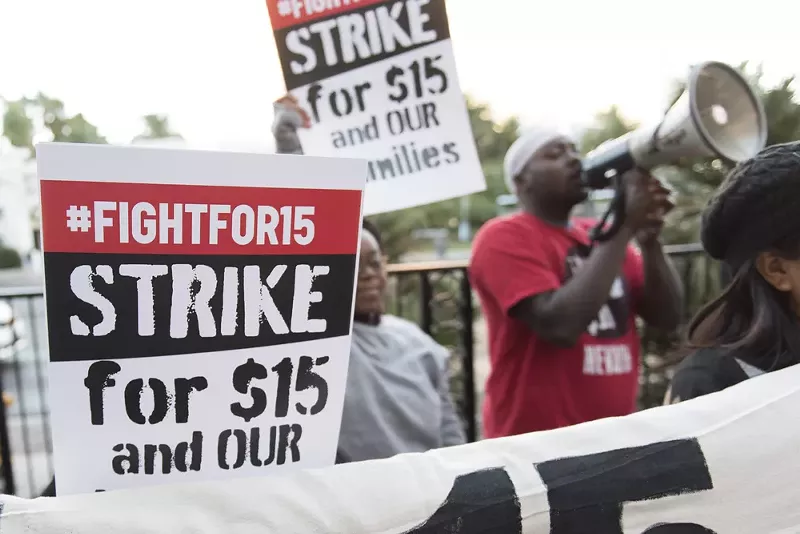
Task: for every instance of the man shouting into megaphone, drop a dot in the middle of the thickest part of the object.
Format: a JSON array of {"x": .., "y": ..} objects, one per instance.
[{"x": 561, "y": 313}]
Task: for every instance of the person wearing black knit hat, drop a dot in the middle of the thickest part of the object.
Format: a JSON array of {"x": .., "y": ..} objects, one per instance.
[{"x": 752, "y": 225}]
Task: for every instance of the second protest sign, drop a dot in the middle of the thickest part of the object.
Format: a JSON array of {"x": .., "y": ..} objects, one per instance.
[
  {"x": 199, "y": 311},
  {"x": 378, "y": 80}
]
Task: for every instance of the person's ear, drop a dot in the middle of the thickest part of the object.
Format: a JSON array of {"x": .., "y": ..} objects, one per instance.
[{"x": 775, "y": 270}]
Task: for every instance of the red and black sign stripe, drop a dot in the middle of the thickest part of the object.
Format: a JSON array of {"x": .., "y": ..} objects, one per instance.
[
  {"x": 336, "y": 220},
  {"x": 374, "y": 20}
]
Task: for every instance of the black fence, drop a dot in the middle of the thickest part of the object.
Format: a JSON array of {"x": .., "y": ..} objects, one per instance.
[
  {"x": 26, "y": 449},
  {"x": 436, "y": 295}
]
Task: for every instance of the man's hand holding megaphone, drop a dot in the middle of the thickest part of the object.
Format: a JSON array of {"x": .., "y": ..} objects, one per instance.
[
  {"x": 647, "y": 204},
  {"x": 718, "y": 116}
]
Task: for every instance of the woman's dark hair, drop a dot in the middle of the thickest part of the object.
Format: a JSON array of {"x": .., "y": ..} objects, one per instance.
[
  {"x": 372, "y": 229},
  {"x": 756, "y": 209}
]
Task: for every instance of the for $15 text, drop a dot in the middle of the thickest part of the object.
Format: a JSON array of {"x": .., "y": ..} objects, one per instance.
[{"x": 283, "y": 440}]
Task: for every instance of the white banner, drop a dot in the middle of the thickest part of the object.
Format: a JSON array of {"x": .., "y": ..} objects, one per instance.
[
  {"x": 723, "y": 464},
  {"x": 378, "y": 80}
]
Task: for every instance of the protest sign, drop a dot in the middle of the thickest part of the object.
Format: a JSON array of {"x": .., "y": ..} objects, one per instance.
[
  {"x": 726, "y": 463},
  {"x": 378, "y": 79},
  {"x": 198, "y": 311}
]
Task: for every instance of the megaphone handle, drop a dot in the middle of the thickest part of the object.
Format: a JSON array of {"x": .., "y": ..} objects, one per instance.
[
  {"x": 617, "y": 207},
  {"x": 653, "y": 148}
]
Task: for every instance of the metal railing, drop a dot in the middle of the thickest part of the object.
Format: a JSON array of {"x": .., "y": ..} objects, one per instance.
[
  {"x": 26, "y": 450},
  {"x": 436, "y": 295}
]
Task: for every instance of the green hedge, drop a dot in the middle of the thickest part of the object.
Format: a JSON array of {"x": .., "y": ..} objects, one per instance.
[{"x": 9, "y": 258}]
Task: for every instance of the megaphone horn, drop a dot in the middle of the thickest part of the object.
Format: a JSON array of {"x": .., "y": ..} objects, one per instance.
[{"x": 717, "y": 116}]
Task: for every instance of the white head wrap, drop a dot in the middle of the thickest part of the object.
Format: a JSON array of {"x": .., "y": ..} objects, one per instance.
[{"x": 523, "y": 149}]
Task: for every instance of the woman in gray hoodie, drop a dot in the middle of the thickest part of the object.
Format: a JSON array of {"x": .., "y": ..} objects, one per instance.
[{"x": 398, "y": 397}]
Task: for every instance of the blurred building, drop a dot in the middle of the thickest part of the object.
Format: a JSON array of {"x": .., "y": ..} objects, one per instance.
[{"x": 19, "y": 201}]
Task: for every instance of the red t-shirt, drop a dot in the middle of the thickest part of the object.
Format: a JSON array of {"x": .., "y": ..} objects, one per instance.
[{"x": 534, "y": 385}]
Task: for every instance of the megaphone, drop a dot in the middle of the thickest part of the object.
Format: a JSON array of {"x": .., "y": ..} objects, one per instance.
[{"x": 717, "y": 116}]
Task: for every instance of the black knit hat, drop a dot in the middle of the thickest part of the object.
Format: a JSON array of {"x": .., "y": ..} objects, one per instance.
[{"x": 756, "y": 208}]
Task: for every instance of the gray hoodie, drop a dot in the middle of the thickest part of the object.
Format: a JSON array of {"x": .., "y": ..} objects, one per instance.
[{"x": 398, "y": 395}]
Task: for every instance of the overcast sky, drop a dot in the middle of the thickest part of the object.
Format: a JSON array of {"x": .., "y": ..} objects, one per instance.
[{"x": 212, "y": 66}]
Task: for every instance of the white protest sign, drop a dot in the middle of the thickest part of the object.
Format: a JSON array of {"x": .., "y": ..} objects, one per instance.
[
  {"x": 726, "y": 463},
  {"x": 198, "y": 311},
  {"x": 378, "y": 79}
]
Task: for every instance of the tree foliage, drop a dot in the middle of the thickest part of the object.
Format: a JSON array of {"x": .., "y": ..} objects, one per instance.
[
  {"x": 21, "y": 118},
  {"x": 19, "y": 126},
  {"x": 157, "y": 127},
  {"x": 66, "y": 128},
  {"x": 492, "y": 139},
  {"x": 607, "y": 125}
]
